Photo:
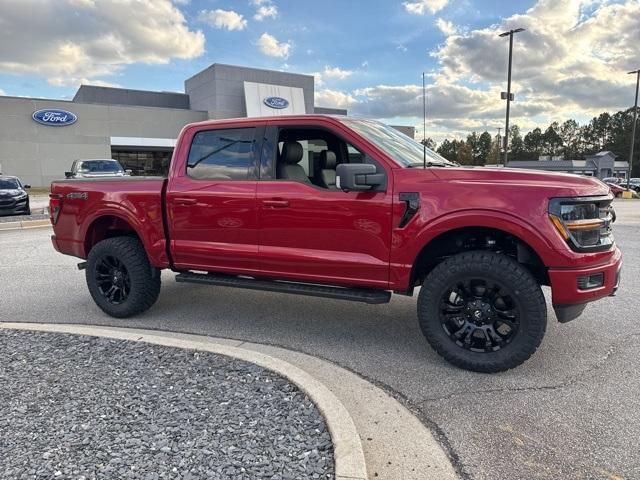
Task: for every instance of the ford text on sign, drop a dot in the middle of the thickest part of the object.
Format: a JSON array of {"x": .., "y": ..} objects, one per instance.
[{"x": 55, "y": 117}]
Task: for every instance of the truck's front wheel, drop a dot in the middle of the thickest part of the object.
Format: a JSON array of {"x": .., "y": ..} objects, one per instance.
[
  {"x": 120, "y": 278},
  {"x": 482, "y": 311}
]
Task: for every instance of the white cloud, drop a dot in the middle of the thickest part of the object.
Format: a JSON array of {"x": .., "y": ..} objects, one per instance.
[
  {"x": 336, "y": 72},
  {"x": 266, "y": 11},
  {"x": 333, "y": 73},
  {"x": 223, "y": 19},
  {"x": 270, "y": 46},
  {"x": 446, "y": 27},
  {"x": 567, "y": 64},
  {"x": 2, "y": 92},
  {"x": 334, "y": 99},
  {"x": 421, "y": 7},
  {"x": 89, "y": 42},
  {"x": 568, "y": 58}
]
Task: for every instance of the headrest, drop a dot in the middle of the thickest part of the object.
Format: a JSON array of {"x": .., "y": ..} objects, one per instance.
[
  {"x": 327, "y": 160},
  {"x": 291, "y": 153}
]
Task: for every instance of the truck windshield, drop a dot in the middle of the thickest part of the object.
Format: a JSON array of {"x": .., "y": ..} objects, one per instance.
[
  {"x": 101, "y": 166},
  {"x": 400, "y": 147}
]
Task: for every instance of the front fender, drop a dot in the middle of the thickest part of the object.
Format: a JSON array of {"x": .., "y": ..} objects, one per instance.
[{"x": 408, "y": 242}]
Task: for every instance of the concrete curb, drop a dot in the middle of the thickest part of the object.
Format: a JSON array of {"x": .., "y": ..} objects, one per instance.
[
  {"x": 25, "y": 224},
  {"x": 348, "y": 454}
]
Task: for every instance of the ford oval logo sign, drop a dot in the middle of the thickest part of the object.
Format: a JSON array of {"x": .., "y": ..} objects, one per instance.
[
  {"x": 54, "y": 117},
  {"x": 276, "y": 102}
]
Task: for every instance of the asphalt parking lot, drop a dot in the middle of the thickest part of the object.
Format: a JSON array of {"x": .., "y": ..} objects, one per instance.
[{"x": 569, "y": 412}]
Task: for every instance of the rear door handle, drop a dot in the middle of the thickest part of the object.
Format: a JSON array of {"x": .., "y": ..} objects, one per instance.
[
  {"x": 185, "y": 201},
  {"x": 276, "y": 203}
]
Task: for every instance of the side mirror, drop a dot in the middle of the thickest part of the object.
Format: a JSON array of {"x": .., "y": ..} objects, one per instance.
[
  {"x": 358, "y": 176},
  {"x": 26, "y": 187},
  {"x": 68, "y": 174},
  {"x": 128, "y": 171}
]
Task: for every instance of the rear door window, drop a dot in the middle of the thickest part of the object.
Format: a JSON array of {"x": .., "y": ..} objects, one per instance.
[{"x": 228, "y": 154}]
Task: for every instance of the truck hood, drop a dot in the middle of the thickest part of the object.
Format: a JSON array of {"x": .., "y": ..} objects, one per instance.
[
  {"x": 553, "y": 184},
  {"x": 11, "y": 193}
]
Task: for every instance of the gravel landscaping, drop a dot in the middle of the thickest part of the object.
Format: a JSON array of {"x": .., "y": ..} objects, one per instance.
[{"x": 84, "y": 408}]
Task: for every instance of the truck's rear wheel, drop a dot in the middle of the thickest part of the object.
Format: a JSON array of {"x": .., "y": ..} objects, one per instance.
[
  {"x": 482, "y": 311},
  {"x": 120, "y": 278}
]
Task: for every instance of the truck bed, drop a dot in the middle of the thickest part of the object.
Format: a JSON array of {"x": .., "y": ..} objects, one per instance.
[{"x": 97, "y": 207}]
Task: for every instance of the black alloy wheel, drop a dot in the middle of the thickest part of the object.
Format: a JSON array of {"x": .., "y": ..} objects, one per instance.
[
  {"x": 479, "y": 315},
  {"x": 482, "y": 311},
  {"x": 120, "y": 277},
  {"x": 113, "y": 280}
]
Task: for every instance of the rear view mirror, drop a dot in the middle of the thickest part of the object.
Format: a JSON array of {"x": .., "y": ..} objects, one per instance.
[
  {"x": 26, "y": 186},
  {"x": 358, "y": 176},
  {"x": 68, "y": 174}
]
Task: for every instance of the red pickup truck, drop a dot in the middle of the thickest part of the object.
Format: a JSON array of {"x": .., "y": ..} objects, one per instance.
[{"x": 349, "y": 209}]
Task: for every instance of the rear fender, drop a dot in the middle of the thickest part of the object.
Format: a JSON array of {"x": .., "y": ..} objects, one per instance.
[{"x": 150, "y": 232}]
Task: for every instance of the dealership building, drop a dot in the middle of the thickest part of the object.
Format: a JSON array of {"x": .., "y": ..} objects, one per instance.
[{"x": 40, "y": 138}]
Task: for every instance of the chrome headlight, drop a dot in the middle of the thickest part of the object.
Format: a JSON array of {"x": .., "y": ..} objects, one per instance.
[
  {"x": 584, "y": 222},
  {"x": 22, "y": 197}
]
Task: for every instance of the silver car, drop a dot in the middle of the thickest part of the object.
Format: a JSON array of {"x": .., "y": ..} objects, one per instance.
[{"x": 97, "y": 168}]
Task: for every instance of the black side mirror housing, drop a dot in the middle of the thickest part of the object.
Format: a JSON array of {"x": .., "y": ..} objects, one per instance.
[
  {"x": 68, "y": 174},
  {"x": 358, "y": 176},
  {"x": 26, "y": 187}
]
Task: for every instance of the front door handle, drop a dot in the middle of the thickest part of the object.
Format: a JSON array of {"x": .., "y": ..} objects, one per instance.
[
  {"x": 276, "y": 203},
  {"x": 185, "y": 201}
]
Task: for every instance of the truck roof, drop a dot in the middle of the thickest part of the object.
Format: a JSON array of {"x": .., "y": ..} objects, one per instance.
[{"x": 279, "y": 118}]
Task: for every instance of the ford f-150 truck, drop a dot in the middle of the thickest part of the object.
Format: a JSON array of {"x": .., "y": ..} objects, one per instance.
[{"x": 349, "y": 209}]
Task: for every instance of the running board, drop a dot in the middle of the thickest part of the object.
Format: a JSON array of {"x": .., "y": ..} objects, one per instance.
[{"x": 355, "y": 294}]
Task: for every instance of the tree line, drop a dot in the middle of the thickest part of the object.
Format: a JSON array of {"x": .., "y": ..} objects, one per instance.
[{"x": 569, "y": 140}]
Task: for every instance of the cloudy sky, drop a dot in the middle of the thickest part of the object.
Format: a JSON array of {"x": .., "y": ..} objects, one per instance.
[{"x": 367, "y": 56}]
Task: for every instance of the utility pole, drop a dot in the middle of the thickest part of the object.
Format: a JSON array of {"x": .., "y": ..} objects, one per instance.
[
  {"x": 424, "y": 123},
  {"x": 508, "y": 95},
  {"x": 633, "y": 130}
]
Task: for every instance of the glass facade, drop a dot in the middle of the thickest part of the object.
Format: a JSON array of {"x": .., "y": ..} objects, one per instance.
[{"x": 144, "y": 162}]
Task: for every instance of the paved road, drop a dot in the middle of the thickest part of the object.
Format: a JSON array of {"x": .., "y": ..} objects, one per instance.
[{"x": 570, "y": 412}]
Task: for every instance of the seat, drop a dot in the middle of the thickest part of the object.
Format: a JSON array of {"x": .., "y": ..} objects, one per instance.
[
  {"x": 328, "y": 169},
  {"x": 288, "y": 168}
]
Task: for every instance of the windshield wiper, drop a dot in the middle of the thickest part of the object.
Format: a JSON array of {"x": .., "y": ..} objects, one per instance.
[{"x": 428, "y": 164}]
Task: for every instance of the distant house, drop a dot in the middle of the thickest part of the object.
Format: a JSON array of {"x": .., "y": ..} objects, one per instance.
[{"x": 601, "y": 165}]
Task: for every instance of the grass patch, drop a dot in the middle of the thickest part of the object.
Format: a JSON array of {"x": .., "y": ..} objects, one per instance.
[{"x": 39, "y": 191}]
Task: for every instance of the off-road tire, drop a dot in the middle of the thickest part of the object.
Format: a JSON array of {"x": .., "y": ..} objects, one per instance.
[
  {"x": 496, "y": 268},
  {"x": 144, "y": 278}
]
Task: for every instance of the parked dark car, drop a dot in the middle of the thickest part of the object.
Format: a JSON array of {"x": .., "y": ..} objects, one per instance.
[
  {"x": 634, "y": 184},
  {"x": 95, "y": 169},
  {"x": 14, "y": 199}
]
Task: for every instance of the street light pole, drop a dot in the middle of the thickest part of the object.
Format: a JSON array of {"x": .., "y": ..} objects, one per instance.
[
  {"x": 506, "y": 126},
  {"x": 424, "y": 122},
  {"x": 633, "y": 130}
]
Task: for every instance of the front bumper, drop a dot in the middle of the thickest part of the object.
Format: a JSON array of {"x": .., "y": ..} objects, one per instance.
[
  {"x": 11, "y": 207},
  {"x": 569, "y": 299}
]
